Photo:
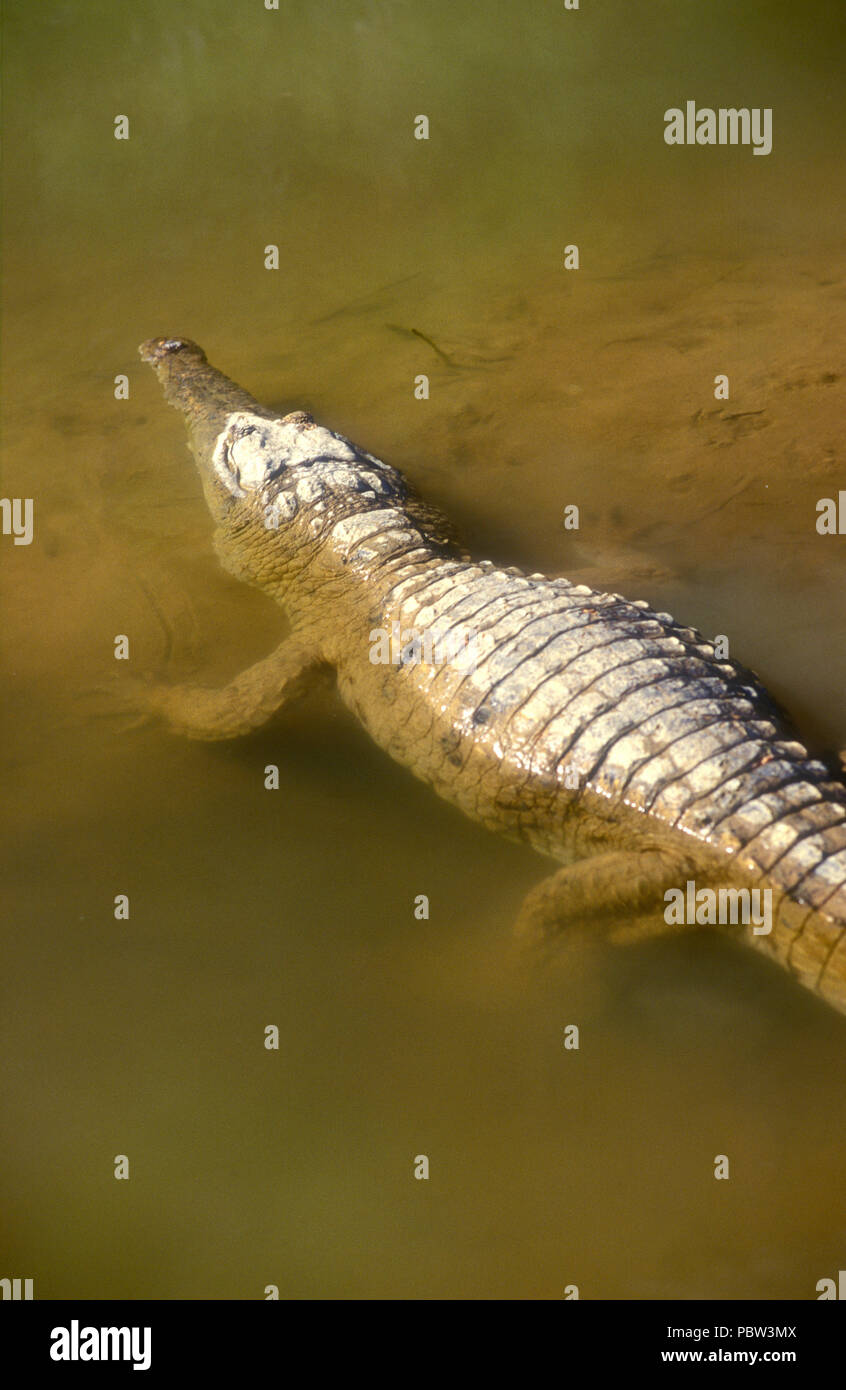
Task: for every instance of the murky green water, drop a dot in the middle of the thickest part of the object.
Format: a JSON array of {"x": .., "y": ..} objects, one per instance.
[{"x": 250, "y": 908}]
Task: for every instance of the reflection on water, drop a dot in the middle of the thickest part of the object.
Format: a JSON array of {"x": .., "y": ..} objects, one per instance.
[{"x": 398, "y": 257}]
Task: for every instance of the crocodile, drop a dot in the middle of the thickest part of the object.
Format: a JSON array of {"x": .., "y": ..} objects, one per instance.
[{"x": 606, "y": 735}]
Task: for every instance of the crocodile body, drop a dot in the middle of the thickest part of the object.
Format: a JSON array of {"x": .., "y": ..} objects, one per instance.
[{"x": 604, "y": 734}]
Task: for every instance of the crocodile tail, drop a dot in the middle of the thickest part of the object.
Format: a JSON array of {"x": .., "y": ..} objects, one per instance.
[
  {"x": 808, "y": 934},
  {"x": 811, "y": 944}
]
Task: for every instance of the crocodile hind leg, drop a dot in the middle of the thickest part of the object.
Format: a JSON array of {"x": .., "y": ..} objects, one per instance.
[
  {"x": 245, "y": 704},
  {"x": 609, "y": 884}
]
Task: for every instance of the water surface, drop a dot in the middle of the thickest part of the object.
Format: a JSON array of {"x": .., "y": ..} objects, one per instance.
[{"x": 547, "y": 387}]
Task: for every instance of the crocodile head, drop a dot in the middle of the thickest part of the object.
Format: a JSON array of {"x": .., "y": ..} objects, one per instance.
[{"x": 275, "y": 486}]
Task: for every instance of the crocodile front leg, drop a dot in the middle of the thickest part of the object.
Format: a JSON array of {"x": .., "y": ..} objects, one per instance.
[
  {"x": 243, "y": 705},
  {"x": 605, "y": 884}
]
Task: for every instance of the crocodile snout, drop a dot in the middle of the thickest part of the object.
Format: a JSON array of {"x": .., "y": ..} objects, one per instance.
[{"x": 155, "y": 349}]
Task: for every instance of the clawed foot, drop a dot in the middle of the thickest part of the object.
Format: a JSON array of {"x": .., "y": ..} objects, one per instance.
[{"x": 138, "y": 701}]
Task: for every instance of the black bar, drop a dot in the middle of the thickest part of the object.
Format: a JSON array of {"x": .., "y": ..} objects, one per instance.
[{"x": 214, "y": 1339}]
